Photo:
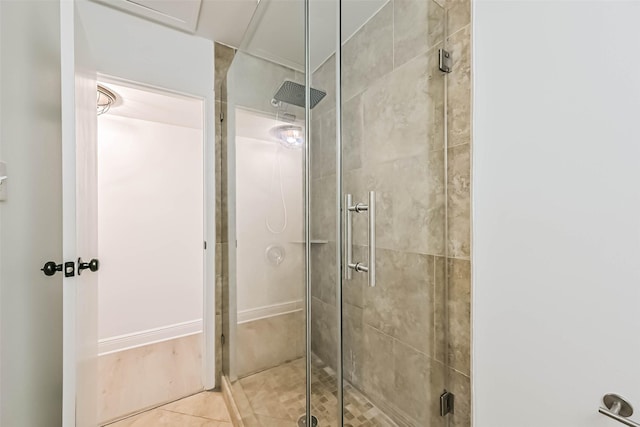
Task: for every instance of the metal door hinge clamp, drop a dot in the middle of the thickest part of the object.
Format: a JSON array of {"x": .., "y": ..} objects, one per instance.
[
  {"x": 446, "y": 403},
  {"x": 444, "y": 61}
]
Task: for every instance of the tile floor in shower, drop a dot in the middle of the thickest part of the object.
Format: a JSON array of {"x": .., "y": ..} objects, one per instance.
[{"x": 276, "y": 398}]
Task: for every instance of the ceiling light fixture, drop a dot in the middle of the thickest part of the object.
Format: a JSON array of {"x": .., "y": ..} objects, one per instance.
[
  {"x": 105, "y": 100},
  {"x": 289, "y": 136}
]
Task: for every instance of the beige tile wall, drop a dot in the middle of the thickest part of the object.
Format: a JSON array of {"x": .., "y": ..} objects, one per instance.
[
  {"x": 140, "y": 378},
  {"x": 269, "y": 342},
  {"x": 223, "y": 57},
  {"x": 395, "y": 346}
]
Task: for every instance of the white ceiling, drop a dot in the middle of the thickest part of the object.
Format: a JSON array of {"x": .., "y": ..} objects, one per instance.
[
  {"x": 277, "y": 29},
  {"x": 154, "y": 106},
  {"x": 274, "y": 28}
]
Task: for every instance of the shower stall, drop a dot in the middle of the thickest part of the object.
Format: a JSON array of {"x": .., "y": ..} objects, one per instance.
[{"x": 342, "y": 304}]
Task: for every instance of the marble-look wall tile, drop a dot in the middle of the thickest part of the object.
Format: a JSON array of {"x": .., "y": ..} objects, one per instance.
[
  {"x": 218, "y": 172},
  {"x": 269, "y": 342},
  {"x": 224, "y": 199},
  {"x": 440, "y": 307},
  {"x": 352, "y": 351},
  {"x": 401, "y": 303},
  {"x": 460, "y": 315},
  {"x": 459, "y": 88},
  {"x": 400, "y": 117},
  {"x": 223, "y": 57},
  {"x": 324, "y": 79},
  {"x": 354, "y": 183},
  {"x": 323, "y": 208},
  {"x": 368, "y": 55},
  {"x": 132, "y": 380},
  {"x": 417, "y": 26},
  {"x": 353, "y": 290},
  {"x": 324, "y": 332},
  {"x": 417, "y": 384},
  {"x": 459, "y": 201},
  {"x": 323, "y": 272},
  {"x": 222, "y": 267},
  {"x": 323, "y": 145},
  {"x": 352, "y": 133},
  {"x": 410, "y": 204},
  {"x": 226, "y": 318},
  {"x": 315, "y": 146},
  {"x": 460, "y": 386},
  {"x": 377, "y": 364},
  {"x": 458, "y": 14},
  {"x": 218, "y": 350}
]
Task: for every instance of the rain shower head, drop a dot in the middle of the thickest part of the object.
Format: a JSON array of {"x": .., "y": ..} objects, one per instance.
[{"x": 293, "y": 93}]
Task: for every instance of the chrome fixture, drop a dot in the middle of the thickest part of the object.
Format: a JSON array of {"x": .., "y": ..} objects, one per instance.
[
  {"x": 302, "y": 421},
  {"x": 618, "y": 408},
  {"x": 447, "y": 403},
  {"x": 293, "y": 93},
  {"x": 370, "y": 269},
  {"x": 444, "y": 61},
  {"x": 105, "y": 99}
]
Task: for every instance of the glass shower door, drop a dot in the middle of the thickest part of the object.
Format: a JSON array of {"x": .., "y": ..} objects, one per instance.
[
  {"x": 391, "y": 112},
  {"x": 368, "y": 199}
]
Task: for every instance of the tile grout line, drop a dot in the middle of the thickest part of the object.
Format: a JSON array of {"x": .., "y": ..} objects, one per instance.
[{"x": 195, "y": 416}]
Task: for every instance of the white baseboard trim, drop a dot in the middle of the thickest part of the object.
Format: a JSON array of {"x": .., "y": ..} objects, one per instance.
[
  {"x": 269, "y": 311},
  {"x": 150, "y": 336}
]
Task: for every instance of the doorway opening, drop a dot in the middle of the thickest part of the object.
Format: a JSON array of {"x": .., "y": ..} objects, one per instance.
[{"x": 151, "y": 227}]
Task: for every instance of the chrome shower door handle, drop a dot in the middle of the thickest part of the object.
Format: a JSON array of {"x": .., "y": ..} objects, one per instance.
[
  {"x": 348, "y": 273},
  {"x": 370, "y": 268},
  {"x": 618, "y": 409},
  {"x": 372, "y": 238}
]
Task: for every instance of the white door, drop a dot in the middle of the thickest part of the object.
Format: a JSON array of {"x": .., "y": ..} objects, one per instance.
[
  {"x": 80, "y": 240},
  {"x": 556, "y": 179}
]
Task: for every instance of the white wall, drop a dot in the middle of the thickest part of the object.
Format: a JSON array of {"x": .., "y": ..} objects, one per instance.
[
  {"x": 262, "y": 288},
  {"x": 556, "y": 211},
  {"x": 31, "y": 218},
  {"x": 261, "y": 284},
  {"x": 150, "y": 208}
]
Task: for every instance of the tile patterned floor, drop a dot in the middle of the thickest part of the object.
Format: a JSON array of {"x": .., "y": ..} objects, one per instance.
[
  {"x": 276, "y": 397},
  {"x": 206, "y": 409}
]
